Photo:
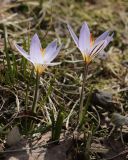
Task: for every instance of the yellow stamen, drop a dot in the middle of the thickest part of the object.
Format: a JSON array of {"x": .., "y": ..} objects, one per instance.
[
  {"x": 87, "y": 58},
  {"x": 40, "y": 68},
  {"x": 42, "y": 51}
]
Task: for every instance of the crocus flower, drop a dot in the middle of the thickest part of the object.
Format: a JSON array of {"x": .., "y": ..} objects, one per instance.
[
  {"x": 88, "y": 47},
  {"x": 41, "y": 58}
]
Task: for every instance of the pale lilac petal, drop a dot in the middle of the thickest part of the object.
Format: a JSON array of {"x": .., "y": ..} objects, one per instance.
[
  {"x": 51, "y": 46},
  {"x": 97, "y": 48},
  {"x": 36, "y": 50},
  {"x": 50, "y": 50},
  {"x": 109, "y": 38},
  {"x": 75, "y": 38},
  {"x": 107, "y": 41},
  {"x": 84, "y": 39},
  {"x": 51, "y": 55},
  {"x": 22, "y": 51},
  {"x": 102, "y": 37}
]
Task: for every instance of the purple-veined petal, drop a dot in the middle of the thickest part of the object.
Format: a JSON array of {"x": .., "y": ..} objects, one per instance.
[
  {"x": 102, "y": 37},
  {"x": 84, "y": 39},
  {"x": 36, "y": 50},
  {"x": 22, "y": 51},
  {"x": 50, "y": 56},
  {"x": 98, "y": 48},
  {"x": 75, "y": 38},
  {"x": 106, "y": 42}
]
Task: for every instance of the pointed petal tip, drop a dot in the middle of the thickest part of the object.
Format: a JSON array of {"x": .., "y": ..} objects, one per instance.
[
  {"x": 68, "y": 25},
  {"x": 17, "y": 46},
  {"x": 35, "y": 37},
  {"x": 112, "y": 34},
  {"x": 73, "y": 35},
  {"x": 55, "y": 41},
  {"x": 22, "y": 51},
  {"x": 103, "y": 36},
  {"x": 109, "y": 38},
  {"x": 84, "y": 38},
  {"x": 85, "y": 25}
]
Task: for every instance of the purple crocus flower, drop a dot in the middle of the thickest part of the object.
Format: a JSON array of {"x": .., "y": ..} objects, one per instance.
[
  {"x": 86, "y": 45},
  {"x": 41, "y": 58}
]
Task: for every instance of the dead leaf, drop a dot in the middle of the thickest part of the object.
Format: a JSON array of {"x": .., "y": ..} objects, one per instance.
[{"x": 13, "y": 136}]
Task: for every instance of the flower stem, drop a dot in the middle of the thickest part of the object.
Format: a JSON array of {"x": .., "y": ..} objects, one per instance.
[
  {"x": 34, "y": 105},
  {"x": 85, "y": 73}
]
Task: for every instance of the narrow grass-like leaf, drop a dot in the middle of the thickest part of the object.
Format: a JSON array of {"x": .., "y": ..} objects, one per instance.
[
  {"x": 58, "y": 126},
  {"x": 53, "y": 123},
  {"x": 15, "y": 71},
  {"x": 34, "y": 105},
  {"x": 9, "y": 67},
  {"x": 84, "y": 112}
]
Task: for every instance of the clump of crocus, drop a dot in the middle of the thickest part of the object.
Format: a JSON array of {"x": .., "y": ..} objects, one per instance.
[
  {"x": 41, "y": 58},
  {"x": 88, "y": 47}
]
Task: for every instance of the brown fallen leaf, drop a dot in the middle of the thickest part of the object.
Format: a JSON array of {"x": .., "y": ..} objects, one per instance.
[{"x": 13, "y": 136}]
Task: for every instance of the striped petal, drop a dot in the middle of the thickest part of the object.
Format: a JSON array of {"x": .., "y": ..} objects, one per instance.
[
  {"x": 36, "y": 50},
  {"x": 102, "y": 37},
  {"x": 98, "y": 48},
  {"x": 107, "y": 41},
  {"x": 84, "y": 39},
  {"x": 75, "y": 38}
]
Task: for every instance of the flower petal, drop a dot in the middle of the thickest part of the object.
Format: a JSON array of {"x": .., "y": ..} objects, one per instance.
[
  {"x": 51, "y": 52},
  {"x": 107, "y": 41},
  {"x": 22, "y": 51},
  {"x": 36, "y": 50},
  {"x": 109, "y": 38},
  {"x": 84, "y": 39},
  {"x": 98, "y": 48},
  {"x": 102, "y": 37},
  {"x": 75, "y": 38}
]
